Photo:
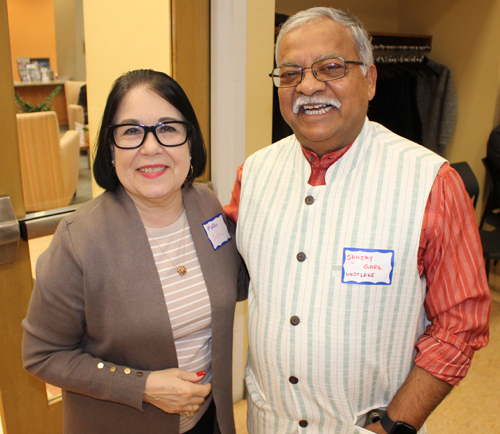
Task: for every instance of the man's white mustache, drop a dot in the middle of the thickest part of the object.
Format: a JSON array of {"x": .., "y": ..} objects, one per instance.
[{"x": 313, "y": 100}]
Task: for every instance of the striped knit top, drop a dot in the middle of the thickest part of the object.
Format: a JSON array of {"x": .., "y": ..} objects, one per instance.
[{"x": 187, "y": 302}]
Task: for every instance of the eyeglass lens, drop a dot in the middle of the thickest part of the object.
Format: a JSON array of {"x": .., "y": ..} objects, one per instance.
[
  {"x": 168, "y": 134},
  {"x": 324, "y": 70}
]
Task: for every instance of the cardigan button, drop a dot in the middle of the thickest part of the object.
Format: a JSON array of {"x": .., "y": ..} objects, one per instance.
[
  {"x": 112, "y": 369},
  {"x": 295, "y": 320},
  {"x": 127, "y": 371},
  {"x": 303, "y": 423},
  {"x": 309, "y": 200},
  {"x": 301, "y": 257},
  {"x": 293, "y": 380}
]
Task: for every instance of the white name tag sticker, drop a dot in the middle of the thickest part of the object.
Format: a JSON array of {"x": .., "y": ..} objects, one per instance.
[
  {"x": 217, "y": 232},
  {"x": 367, "y": 266}
]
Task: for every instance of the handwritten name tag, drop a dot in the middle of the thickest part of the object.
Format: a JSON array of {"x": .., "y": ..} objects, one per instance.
[
  {"x": 367, "y": 266},
  {"x": 217, "y": 232}
]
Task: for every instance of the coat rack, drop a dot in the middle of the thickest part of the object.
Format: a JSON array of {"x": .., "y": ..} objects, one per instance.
[{"x": 400, "y": 48}]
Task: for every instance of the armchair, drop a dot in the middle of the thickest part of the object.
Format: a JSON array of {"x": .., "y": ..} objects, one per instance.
[
  {"x": 75, "y": 111},
  {"x": 49, "y": 165}
]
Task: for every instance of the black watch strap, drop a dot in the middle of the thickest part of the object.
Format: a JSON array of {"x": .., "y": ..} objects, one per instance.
[
  {"x": 396, "y": 427},
  {"x": 387, "y": 423}
]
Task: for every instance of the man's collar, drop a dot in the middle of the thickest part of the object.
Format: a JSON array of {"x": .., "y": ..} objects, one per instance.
[{"x": 319, "y": 166}]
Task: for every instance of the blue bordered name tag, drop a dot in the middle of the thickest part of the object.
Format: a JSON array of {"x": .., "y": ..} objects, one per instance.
[
  {"x": 367, "y": 266},
  {"x": 217, "y": 232}
]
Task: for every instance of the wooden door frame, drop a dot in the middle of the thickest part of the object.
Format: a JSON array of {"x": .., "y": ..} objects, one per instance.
[
  {"x": 191, "y": 60},
  {"x": 23, "y": 400}
]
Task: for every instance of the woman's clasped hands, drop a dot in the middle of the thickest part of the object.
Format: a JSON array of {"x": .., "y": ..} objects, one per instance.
[{"x": 176, "y": 391}]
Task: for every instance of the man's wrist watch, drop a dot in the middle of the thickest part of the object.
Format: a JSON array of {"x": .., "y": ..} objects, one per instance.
[{"x": 393, "y": 427}]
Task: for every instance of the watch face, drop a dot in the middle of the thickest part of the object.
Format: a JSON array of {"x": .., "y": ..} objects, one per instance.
[{"x": 403, "y": 428}]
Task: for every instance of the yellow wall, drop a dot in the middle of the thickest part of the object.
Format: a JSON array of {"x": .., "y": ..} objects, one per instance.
[
  {"x": 120, "y": 38},
  {"x": 377, "y": 16},
  {"x": 65, "y": 23},
  {"x": 259, "y": 93},
  {"x": 259, "y": 87},
  {"x": 32, "y": 31}
]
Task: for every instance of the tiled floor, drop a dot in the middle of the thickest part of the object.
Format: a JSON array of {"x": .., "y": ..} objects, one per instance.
[{"x": 240, "y": 417}]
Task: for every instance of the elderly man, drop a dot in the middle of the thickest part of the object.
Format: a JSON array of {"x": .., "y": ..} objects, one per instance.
[{"x": 368, "y": 288}]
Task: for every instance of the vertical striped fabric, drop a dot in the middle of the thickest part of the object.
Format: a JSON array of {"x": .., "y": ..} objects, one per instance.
[
  {"x": 49, "y": 166},
  {"x": 187, "y": 302},
  {"x": 72, "y": 93},
  {"x": 354, "y": 344}
]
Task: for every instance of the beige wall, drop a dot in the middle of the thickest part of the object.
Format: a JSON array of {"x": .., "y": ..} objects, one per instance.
[
  {"x": 81, "y": 71},
  {"x": 121, "y": 39},
  {"x": 377, "y": 16},
  {"x": 65, "y": 23},
  {"x": 466, "y": 38},
  {"x": 70, "y": 39}
]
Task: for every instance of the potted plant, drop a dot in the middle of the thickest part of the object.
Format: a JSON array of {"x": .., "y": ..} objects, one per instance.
[{"x": 44, "y": 106}]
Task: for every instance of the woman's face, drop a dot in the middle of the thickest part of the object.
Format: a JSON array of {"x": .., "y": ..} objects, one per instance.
[{"x": 152, "y": 174}]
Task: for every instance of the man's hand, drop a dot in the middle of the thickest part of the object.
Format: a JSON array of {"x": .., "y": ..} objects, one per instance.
[
  {"x": 376, "y": 427},
  {"x": 173, "y": 390},
  {"x": 419, "y": 395}
]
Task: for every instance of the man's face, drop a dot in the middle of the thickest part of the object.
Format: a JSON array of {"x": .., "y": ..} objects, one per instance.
[{"x": 325, "y": 128}]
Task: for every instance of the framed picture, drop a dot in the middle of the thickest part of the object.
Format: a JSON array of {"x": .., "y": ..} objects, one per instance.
[{"x": 34, "y": 71}]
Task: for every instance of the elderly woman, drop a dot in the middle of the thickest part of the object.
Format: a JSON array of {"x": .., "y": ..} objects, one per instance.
[{"x": 132, "y": 310}]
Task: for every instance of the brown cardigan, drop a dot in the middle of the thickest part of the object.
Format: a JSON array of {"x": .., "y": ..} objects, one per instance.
[{"x": 98, "y": 300}]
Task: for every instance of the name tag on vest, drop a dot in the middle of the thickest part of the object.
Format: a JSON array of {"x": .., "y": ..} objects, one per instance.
[
  {"x": 217, "y": 232},
  {"x": 367, "y": 266}
]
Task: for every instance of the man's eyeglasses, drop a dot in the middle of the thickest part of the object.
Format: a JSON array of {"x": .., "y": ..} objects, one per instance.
[
  {"x": 130, "y": 136},
  {"x": 323, "y": 70}
]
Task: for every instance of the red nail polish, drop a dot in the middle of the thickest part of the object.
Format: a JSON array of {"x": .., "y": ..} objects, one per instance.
[{"x": 201, "y": 373}]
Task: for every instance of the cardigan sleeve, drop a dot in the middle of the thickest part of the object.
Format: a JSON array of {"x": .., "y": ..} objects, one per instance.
[
  {"x": 55, "y": 330},
  {"x": 243, "y": 277}
]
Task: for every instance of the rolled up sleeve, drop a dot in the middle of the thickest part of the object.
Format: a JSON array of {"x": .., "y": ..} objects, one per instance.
[{"x": 458, "y": 298}]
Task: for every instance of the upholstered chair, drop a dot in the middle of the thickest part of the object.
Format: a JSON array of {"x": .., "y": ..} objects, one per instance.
[
  {"x": 75, "y": 111},
  {"x": 49, "y": 164}
]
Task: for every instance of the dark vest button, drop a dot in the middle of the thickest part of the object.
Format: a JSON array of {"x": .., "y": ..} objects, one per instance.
[
  {"x": 295, "y": 320},
  {"x": 309, "y": 200},
  {"x": 303, "y": 423},
  {"x": 301, "y": 257},
  {"x": 293, "y": 380}
]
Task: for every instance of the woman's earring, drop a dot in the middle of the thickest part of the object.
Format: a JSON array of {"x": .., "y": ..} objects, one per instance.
[{"x": 113, "y": 163}]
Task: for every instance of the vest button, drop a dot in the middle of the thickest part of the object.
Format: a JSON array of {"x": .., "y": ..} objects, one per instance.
[
  {"x": 301, "y": 257},
  {"x": 309, "y": 200},
  {"x": 303, "y": 423},
  {"x": 295, "y": 320},
  {"x": 293, "y": 380}
]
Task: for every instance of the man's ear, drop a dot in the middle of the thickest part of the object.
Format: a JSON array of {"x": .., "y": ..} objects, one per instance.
[{"x": 371, "y": 81}]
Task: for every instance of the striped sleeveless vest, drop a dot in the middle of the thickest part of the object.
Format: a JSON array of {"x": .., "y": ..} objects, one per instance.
[{"x": 335, "y": 300}]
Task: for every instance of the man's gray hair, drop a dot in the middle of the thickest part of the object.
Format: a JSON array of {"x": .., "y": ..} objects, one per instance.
[{"x": 351, "y": 23}]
